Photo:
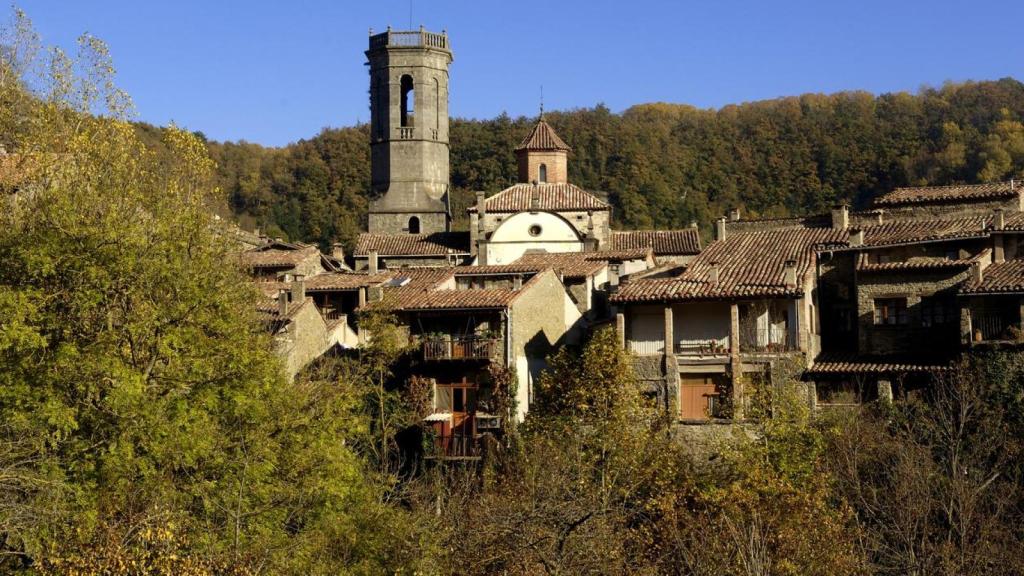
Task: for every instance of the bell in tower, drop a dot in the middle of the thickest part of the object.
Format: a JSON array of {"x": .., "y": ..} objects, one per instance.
[{"x": 409, "y": 132}]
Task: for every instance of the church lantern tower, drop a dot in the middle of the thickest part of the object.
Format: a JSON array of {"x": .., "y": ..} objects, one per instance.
[
  {"x": 409, "y": 132},
  {"x": 543, "y": 156}
]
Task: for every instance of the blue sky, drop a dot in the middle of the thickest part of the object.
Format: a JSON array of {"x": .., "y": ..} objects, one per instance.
[{"x": 276, "y": 72}]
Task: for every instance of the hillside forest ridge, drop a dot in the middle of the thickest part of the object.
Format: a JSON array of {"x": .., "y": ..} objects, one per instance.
[
  {"x": 664, "y": 166},
  {"x": 779, "y": 338}
]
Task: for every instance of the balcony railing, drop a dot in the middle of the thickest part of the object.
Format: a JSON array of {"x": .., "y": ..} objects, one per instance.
[
  {"x": 766, "y": 340},
  {"x": 702, "y": 348},
  {"x": 409, "y": 39},
  {"x": 457, "y": 446},
  {"x": 459, "y": 348},
  {"x": 994, "y": 327}
]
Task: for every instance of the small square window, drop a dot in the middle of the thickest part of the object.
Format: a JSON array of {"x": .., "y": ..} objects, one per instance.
[{"x": 890, "y": 311}]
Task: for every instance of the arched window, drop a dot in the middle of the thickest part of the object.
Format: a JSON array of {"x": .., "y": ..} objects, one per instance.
[
  {"x": 408, "y": 101},
  {"x": 543, "y": 173},
  {"x": 414, "y": 225},
  {"x": 437, "y": 107}
]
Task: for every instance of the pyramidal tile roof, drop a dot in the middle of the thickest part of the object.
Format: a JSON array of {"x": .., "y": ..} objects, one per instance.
[{"x": 543, "y": 137}]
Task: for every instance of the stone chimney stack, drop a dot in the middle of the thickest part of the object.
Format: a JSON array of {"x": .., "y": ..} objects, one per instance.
[
  {"x": 713, "y": 273},
  {"x": 534, "y": 198},
  {"x": 977, "y": 272},
  {"x": 789, "y": 269},
  {"x": 372, "y": 262},
  {"x": 734, "y": 215},
  {"x": 999, "y": 219},
  {"x": 856, "y": 237},
  {"x": 298, "y": 289},
  {"x": 282, "y": 303},
  {"x": 841, "y": 217},
  {"x": 720, "y": 229},
  {"x": 481, "y": 211},
  {"x": 517, "y": 283},
  {"x": 338, "y": 251}
]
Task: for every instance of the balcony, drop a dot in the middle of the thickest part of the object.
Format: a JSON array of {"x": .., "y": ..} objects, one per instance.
[
  {"x": 772, "y": 340},
  {"x": 409, "y": 39},
  {"x": 995, "y": 328},
  {"x": 459, "y": 348},
  {"x": 456, "y": 446}
]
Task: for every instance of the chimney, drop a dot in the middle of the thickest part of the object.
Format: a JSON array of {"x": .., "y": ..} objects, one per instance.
[
  {"x": 713, "y": 273},
  {"x": 720, "y": 228},
  {"x": 372, "y": 262},
  {"x": 977, "y": 273},
  {"x": 841, "y": 217},
  {"x": 856, "y": 237},
  {"x": 481, "y": 210},
  {"x": 298, "y": 289},
  {"x": 789, "y": 268},
  {"x": 517, "y": 283},
  {"x": 282, "y": 303},
  {"x": 999, "y": 219},
  {"x": 590, "y": 224},
  {"x": 693, "y": 224},
  {"x": 734, "y": 214},
  {"x": 534, "y": 198},
  {"x": 374, "y": 294},
  {"x": 337, "y": 251}
]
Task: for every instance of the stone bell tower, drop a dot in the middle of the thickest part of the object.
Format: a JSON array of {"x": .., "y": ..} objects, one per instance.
[{"x": 409, "y": 131}]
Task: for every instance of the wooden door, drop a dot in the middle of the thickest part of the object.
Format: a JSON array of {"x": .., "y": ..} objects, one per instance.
[{"x": 697, "y": 394}]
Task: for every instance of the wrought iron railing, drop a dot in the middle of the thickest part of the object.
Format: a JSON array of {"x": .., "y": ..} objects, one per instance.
[
  {"x": 766, "y": 340},
  {"x": 459, "y": 348}
]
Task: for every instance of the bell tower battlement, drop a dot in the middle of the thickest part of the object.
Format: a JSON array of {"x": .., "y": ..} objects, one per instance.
[{"x": 409, "y": 131}]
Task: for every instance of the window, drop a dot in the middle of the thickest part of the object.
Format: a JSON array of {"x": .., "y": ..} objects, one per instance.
[
  {"x": 936, "y": 311},
  {"x": 414, "y": 225},
  {"x": 543, "y": 173},
  {"x": 535, "y": 230},
  {"x": 890, "y": 311},
  {"x": 408, "y": 101}
]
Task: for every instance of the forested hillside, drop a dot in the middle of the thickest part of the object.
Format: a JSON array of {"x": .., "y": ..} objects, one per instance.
[{"x": 665, "y": 165}]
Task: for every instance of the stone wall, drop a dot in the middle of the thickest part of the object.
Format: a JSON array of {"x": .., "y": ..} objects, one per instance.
[
  {"x": 912, "y": 336},
  {"x": 398, "y": 222},
  {"x": 540, "y": 318}
]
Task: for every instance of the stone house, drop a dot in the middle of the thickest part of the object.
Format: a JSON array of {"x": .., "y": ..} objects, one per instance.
[
  {"x": 744, "y": 304},
  {"x": 465, "y": 321}
]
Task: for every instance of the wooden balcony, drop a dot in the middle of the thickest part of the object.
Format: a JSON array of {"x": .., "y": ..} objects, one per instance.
[
  {"x": 457, "y": 446},
  {"x": 459, "y": 348}
]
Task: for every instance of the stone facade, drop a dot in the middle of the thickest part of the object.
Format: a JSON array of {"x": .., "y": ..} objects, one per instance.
[{"x": 409, "y": 151}]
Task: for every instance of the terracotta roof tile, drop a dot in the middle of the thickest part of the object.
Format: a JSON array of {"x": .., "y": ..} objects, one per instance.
[
  {"x": 1001, "y": 277},
  {"x": 435, "y": 244},
  {"x": 853, "y": 364},
  {"x": 927, "y": 194},
  {"x": 917, "y": 264},
  {"x": 418, "y": 297},
  {"x": 568, "y": 264},
  {"x": 664, "y": 242},
  {"x": 277, "y": 254},
  {"x": 749, "y": 264},
  {"x": 1014, "y": 222},
  {"x": 542, "y": 137},
  {"x": 346, "y": 281},
  {"x": 913, "y": 231},
  {"x": 551, "y": 197}
]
